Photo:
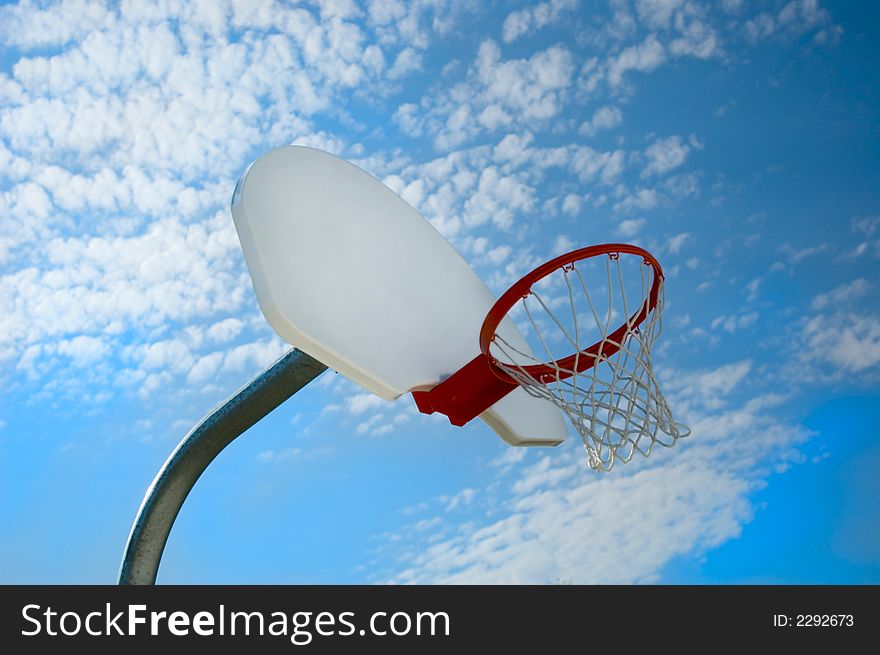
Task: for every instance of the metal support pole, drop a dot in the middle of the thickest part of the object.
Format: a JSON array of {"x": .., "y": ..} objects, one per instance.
[{"x": 164, "y": 498}]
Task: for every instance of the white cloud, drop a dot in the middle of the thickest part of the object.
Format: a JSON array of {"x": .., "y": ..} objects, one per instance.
[
  {"x": 363, "y": 402},
  {"x": 732, "y": 6},
  {"x": 407, "y": 118},
  {"x": 549, "y": 519},
  {"x": 676, "y": 243},
  {"x": 407, "y": 61},
  {"x": 225, "y": 330},
  {"x": 604, "y": 118},
  {"x": 644, "y": 57},
  {"x": 845, "y": 343},
  {"x": 562, "y": 244},
  {"x": 589, "y": 164},
  {"x": 514, "y": 149},
  {"x": 760, "y": 27},
  {"x": 497, "y": 94},
  {"x": 524, "y": 21},
  {"x": 26, "y": 26},
  {"x": 278, "y": 455},
  {"x": 374, "y": 426},
  {"x": 122, "y": 92},
  {"x": 803, "y": 13},
  {"x": 753, "y": 287},
  {"x": 795, "y": 255},
  {"x": 498, "y": 185},
  {"x": 497, "y": 199},
  {"x": 642, "y": 199},
  {"x": 733, "y": 322},
  {"x": 171, "y": 354},
  {"x": 794, "y": 19},
  {"x": 205, "y": 368},
  {"x": 462, "y": 498},
  {"x": 665, "y": 155},
  {"x": 683, "y": 185},
  {"x": 630, "y": 228},
  {"x": 414, "y": 22},
  {"x": 124, "y": 130},
  {"x": 498, "y": 255},
  {"x": 172, "y": 271},
  {"x": 509, "y": 458},
  {"x": 696, "y": 38},
  {"x": 84, "y": 350},
  {"x": 172, "y": 280},
  {"x": 657, "y": 13},
  {"x": 710, "y": 388},
  {"x": 843, "y": 294},
  {"x": 571, "y": 204},
  {"x": 866, "y": 226}
]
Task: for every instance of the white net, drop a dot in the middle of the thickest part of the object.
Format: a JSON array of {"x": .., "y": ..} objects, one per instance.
[{"x": 615, "y": 405}]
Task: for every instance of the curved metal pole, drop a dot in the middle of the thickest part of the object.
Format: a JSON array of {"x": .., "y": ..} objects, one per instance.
[{"x": 164, "y": 498}]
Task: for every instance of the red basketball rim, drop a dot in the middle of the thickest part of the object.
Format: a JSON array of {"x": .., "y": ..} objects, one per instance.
[{"x": 584, "y": 359}]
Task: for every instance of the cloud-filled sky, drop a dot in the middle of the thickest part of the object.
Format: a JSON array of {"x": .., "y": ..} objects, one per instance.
[{"x": 736, "y": 140}]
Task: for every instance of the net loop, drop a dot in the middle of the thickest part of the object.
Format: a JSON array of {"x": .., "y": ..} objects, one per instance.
[{"x": 608, "y": 389}]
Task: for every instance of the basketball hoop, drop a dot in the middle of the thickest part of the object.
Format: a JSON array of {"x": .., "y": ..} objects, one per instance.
[{"x": 607, "y": 388}]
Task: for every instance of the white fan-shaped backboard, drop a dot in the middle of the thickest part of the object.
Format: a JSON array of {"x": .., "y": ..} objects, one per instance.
[{"x": 348, "y": 272}]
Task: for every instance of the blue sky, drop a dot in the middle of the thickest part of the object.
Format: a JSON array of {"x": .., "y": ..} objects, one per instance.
[{"x": 738, "y": 141}]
